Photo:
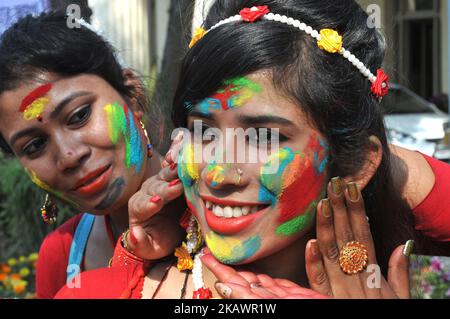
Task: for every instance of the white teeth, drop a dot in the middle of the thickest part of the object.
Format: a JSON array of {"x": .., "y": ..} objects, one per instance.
[
  {"x": 237, "y": 212},
  {"x": 218, "y": 211},
  {"x": 232, "y": 212},
  {"x": 228, "y": 212},
  {"x": 245, "y": 210}
]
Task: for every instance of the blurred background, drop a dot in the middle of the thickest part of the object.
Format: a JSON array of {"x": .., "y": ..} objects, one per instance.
[{"x": 152, "y": 36}]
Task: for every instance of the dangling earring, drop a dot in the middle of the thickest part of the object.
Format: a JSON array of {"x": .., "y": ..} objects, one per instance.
[
  {"x": 149, "y": 144},
  {"x": 49, "y": 211}
]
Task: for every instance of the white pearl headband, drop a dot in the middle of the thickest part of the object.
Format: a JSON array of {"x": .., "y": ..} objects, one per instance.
[{"x": 327, "y": 39}]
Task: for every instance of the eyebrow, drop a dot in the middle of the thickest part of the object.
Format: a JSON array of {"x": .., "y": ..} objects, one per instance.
[
  {"x": 61, "y": 105},
  {"x": 203, "y": 115},
  {"x": 264, "y": 119}
]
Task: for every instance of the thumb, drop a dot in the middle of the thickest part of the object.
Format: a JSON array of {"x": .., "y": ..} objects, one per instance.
[
  {"x": 398, "y": 272},
  {"x": 139, "y": 243}
]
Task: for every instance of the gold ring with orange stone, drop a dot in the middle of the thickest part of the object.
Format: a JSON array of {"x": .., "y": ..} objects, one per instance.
[{"x": 353, "y": 258}]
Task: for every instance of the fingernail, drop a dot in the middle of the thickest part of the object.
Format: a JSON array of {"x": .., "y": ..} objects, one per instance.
[
  {"x": 133, "y": 238},
  {"x": 173, "y": 166},
  {"x": 352, "y": 188},
  {"x": 174, "y": 182},
  {"x": 168, "y": 155},
  {"x": 155, "y": 199},
  {"x": 336, "y": 186},
  {"x": 409, "y": 247},
  {"x": 223, "y": 289},
  {"x": 314, "y": 248},
  {"x": 326, "y": 209},
  {"x": 374, "y": 140}
]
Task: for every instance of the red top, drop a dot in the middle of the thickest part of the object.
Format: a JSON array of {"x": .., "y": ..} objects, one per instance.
[
  {"x": 432, "y": 216},
  {"x": 53, "y": 258}
]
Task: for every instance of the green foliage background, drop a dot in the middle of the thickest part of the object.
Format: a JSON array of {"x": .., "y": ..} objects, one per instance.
[{"x": 21, "y": 227}]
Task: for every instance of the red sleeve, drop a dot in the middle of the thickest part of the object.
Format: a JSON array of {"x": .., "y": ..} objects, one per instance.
[
  {"x": 53, "y": 257},
  {"x": 107, "y": 283},
  {"x": 432, "y": 216}
]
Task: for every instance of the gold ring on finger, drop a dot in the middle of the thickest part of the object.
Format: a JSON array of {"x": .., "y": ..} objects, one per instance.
[{"x": 353, "y": 258}]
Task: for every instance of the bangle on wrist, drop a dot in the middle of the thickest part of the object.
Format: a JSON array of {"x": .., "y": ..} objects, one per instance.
[{"x": 124, "y": 240}]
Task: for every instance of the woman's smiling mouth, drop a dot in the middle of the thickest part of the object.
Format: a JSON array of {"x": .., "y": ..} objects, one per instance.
[
  {"x": 231, "y": 217},
  {"x": 94, "y": 181}
]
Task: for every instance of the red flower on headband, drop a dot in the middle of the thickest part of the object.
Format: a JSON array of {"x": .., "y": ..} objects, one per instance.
[
  {"x": 202, "y": 293},
  {"x": 380, "y": 87},
  {"x": 254, "y": 13}
]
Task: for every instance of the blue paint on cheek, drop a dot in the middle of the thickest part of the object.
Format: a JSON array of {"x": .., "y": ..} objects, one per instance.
[{"x": 136, "y": 151}]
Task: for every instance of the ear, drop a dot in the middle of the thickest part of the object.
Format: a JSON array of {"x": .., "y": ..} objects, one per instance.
[
  {"x": 132, "y": 80},
  {"x": 370, "y": 166}
]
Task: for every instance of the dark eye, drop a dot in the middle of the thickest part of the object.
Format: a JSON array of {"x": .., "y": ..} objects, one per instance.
[
  {"x": 265, "y": 136},
  {"x": 33, "y": 147},
  {"x": 198, "y": 131},
  {"x": 80, "y": 116}
]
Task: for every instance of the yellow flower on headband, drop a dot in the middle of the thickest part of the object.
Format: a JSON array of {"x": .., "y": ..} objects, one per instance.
[
  {"x": 198, "y": 34},
  {"x": 330, "y": 41}
]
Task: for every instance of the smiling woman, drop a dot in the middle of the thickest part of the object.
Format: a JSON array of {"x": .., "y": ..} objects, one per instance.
[
  {"x": 265, "y": 64},
  {"x": 73, "y": 116}
]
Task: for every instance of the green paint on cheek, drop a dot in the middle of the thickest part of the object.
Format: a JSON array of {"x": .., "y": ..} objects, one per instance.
[{"x": 299, "y": 223}]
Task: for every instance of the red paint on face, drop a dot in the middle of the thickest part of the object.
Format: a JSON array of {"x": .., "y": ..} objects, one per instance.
[
  {"x": 306, "y": 188},
  {"x": 34, "y": 95}
]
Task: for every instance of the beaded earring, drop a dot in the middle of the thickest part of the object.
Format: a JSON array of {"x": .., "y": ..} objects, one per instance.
[{"x": 49, "y": 211}]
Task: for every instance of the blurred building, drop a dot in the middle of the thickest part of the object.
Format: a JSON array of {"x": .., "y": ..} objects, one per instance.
[{"x": 417, "y": 38}]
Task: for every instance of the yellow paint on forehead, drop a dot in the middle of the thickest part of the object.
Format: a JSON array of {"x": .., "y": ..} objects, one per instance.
[{"x": 35, "y": 109}]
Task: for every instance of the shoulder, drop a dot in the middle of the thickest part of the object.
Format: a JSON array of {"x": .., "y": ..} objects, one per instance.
[
  {"x": 53, "y": 257},
  {"x": 420, "y": 177},
  {"x": 104, "y": 283}
]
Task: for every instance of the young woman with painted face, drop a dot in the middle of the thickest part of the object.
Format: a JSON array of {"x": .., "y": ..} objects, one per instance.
[
  {"x": 268, "y": 74},
  {"x": 72, "y": 117}
]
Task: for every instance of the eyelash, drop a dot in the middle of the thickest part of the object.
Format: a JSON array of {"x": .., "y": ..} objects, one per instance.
[{"x": 84, "y": 111}]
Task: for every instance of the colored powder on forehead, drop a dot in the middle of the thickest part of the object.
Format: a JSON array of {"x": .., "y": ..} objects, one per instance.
[
  {"x": 34, "y": 104},
  {"x": 187, "y": 168},
  {"x": 229, "y": 250},
  {"x": 121, "y": 122},
  {"x": 215, "y": 174},
  {"x": 235, "y": 93}
]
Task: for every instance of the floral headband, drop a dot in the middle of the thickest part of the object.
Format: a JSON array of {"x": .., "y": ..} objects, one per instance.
[{"x": 327, "y": 39}]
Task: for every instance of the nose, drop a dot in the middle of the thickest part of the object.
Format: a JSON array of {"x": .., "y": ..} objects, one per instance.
[
  {"x": 220, "y": 176},
  {"x": 70, "y": 153}
]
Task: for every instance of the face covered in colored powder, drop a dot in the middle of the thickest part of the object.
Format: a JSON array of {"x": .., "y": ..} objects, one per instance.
[
  {"x": 250, "y": 210},
  {"x": 76, "y": 138}
]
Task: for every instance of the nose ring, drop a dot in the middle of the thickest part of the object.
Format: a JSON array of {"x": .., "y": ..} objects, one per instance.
[{"x": 239, "y": 172}]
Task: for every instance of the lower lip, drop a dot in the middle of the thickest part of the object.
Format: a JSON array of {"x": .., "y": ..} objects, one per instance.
[
  {"x": 231, "y": 226},
  {"x": 97, "y": 184}
]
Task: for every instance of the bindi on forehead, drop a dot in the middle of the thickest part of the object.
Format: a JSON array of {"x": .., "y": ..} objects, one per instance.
[{"x": 34, "y": 104}]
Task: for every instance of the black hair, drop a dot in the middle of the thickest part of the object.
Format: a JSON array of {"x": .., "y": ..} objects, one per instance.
[
  {"x": 45, "y": 43},
  {"x": 333, "y": 94}
]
